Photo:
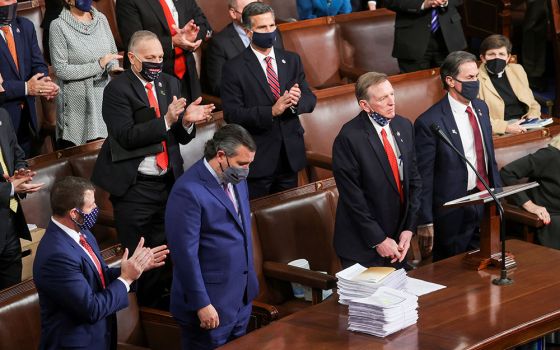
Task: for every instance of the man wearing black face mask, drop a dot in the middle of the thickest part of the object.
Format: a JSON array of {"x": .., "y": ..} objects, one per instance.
[
  {"x": 79, "y": 294},
  {"x": 146, "y": 119},
  {"x": 24, "y": 71},
  {"x": 445, "y": 176},
  {"x": 264, "y": 90},
  {"x": 208, "y": 227}
]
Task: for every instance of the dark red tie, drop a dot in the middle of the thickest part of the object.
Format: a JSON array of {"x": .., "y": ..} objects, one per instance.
[
  {"x": 272, "y": 78},
  {"x": 162, "y": 159},
  {"x": 86, "y": 245},
  {"x": 392, "y": 162},
  {"x": 180, "y": 64},
  {"x": 479, "y": 149}
]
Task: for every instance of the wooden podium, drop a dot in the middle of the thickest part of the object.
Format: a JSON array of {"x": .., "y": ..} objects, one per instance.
[{"x": 490, "y": 243}]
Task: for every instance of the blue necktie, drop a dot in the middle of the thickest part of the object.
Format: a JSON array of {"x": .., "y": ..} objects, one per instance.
[{"x": 434, "y": 26}]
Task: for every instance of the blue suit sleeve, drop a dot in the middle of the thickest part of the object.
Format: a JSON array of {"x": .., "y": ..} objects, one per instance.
[{"x": 426, "y": 147}]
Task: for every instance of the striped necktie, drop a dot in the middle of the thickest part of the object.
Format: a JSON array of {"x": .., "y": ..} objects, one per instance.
[
  {"x": 272, "y": 78},
  {"x": 434, "y": 24}
]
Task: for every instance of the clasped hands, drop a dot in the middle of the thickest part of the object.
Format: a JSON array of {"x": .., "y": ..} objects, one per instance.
[
  {"x": 41, "y": 85},
  {"x": 143, "y": 259},
  {"x": 390, "y": 249},
  {"x": 185, "y": 37},
  {"x": 21, "y": 180},
  {"x": 288, "y": 99}
]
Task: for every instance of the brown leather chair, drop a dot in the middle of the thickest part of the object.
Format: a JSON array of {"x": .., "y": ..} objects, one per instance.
[
  {"x": 216, "y": 11},
  {"x": 284, "y": 10},
  {"x": 107, "y": 7}
]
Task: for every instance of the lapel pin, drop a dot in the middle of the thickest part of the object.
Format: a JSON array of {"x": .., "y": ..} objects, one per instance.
[
  {"x": 402, "y": 141},
  {"x": 454, "y": 131},
  {"x": 398, "y": 133},
  {"x": 17, "y": 30},
  {"x": 0, "y": 123},
  {"x": 159, "y": 84},
  {"x": 479, "y": 113},
  {"x": 162, "y": 92},
  {"x": 283, "y": 61}
]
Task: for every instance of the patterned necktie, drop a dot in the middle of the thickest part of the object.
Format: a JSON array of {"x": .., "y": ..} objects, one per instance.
[
  {"x": 479, "y": 149},
  {"x": 392, "y": 162},
  {"x": 89, "y": 249},
  {"x": 434, "y": 24},
  {"x": 13, "y": 201},
  {"x": 272, "y": 78},
  {"x": 11, "y": 43},
  {"x": 162, "y": 160},
  {"x": 180, "y": 63},
  {"x": 230, "y": 195}
]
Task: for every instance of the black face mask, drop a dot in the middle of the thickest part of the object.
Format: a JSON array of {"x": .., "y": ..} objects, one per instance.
[
  {"x": 469, "y": 89},
  {"x": 496, "y": 65},
  {"x": 264, "y": 40},
  {"x": 7, "y": 14},
  {"x": 150, "y": 70},
  {"x": 2, "y": 98}
]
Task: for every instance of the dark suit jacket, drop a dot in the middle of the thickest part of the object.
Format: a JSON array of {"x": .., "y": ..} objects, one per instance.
[
  {"x": 412, "y": 27},
  {"x": 210, "y": 246},
  {"x": 15, "y": 159},
  {"x": 76, "y": 312},
  {"x": 135, "y": 15},
  {"x": 369, "y": 208},
  {"x": 223, "y": 46},
  {"x": 247, "y": 100},
  {"x": 31, "y": 62},
  {"x": 444, "y": 173},
  {"x": 123, "y": 99}
]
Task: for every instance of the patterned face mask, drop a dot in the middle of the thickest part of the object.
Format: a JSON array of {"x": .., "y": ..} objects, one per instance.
[{"x": 89, "y": 219}]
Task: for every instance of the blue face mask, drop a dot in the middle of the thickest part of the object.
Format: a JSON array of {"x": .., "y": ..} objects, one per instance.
[
  {"x": 89, "y": 219},
  {"x": 264, "y": 40},
  {"x": 469, "y": 89},
  {"x": 83, "y": 5},
  {"x": 234, "y": 175}
]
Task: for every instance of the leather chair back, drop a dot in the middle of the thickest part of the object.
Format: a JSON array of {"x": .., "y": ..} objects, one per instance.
[
  {"x": 20, "y": 319},
  {"x": 216, "y": 11},
  {"x": 284, "y": 10},
  {"x": 506, "y": 155}
]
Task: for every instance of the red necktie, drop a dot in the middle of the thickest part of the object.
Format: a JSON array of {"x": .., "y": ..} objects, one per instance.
[
  {"x": 86, "y": 245},
  {"x": 161, "y": 158},
  {"x": 479, "y": 149},
  {"x": 272, "y": 78},
  {"x": 180, "y": 66},
  {"x": 392, "y": 162},
  {"x": 11, "y": 43}
]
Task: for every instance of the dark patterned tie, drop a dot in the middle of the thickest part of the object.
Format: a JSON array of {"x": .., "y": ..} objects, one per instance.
[
  {"x": 434, "y": 26},
  {"x": 272, "y": 78}
]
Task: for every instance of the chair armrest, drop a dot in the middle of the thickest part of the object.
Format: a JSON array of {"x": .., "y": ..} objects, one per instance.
[
  {"x": 319, "y": 160},
  {"x": 285, "y": 272},
  {"x": 522, "y": 216},
  {"x": 262, "y": 314},
  {"x": 352, "y": 73}
]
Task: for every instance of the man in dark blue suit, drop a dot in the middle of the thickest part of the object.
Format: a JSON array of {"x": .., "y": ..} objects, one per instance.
[
  {"x": 445, "y": 176},
  {"x": 264, "y": 90},
  {"x": 78, "y": 294},
  {"x": 374, "y": 165},
  {"x": 208, "y": 227},
  {"x": 24, "y": 72}
]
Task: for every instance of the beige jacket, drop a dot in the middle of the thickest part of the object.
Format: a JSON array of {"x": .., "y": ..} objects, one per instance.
[{"x": 520, "y": 85}]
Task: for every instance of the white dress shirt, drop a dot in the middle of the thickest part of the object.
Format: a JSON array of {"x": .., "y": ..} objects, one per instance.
[
  {"x": 467, "y": 137},
  {"x": 261, "y": 57},
  {"x": 392, "y": 142},
  {"x": 242, "y": 34},
  {"x": 76, "y": 238}
]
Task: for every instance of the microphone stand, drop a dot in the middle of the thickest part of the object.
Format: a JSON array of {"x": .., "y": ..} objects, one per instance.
[{"x": 504, "y": 279}]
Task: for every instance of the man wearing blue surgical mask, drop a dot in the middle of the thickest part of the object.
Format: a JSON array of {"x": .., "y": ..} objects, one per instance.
[
  {"x": 264, "y": 90},
  {"x": 208, "y": 227},
  {"x": 79, "y": 294},
  {"x": 146, "y": 119},
  {"x": 445, "y": 176}
]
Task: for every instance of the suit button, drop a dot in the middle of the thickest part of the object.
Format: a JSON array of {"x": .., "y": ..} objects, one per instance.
[{"x": 244, "y": 272}]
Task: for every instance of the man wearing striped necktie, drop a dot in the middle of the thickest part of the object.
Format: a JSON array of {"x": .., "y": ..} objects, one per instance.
[
  {"x": 264, "y": 90},
  {"x": 425, "y": 32}
]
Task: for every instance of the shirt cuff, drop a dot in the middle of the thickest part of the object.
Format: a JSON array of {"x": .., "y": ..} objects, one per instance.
[{"x": 125, "y": 284}]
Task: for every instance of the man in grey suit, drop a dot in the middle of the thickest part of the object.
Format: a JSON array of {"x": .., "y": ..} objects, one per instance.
[{"x": 225, "y": 45}]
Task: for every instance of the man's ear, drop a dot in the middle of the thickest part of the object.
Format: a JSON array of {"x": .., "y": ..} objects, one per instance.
[{"x": 364, "y": 106}]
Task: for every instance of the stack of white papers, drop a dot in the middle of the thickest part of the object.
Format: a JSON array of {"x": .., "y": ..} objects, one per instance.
[
  {"x": 359, "y": 282},
  {"x": 384, "y": 312}
]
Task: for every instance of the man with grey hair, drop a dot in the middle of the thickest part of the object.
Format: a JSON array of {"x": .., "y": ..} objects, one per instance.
[
  {"x": 264, "y": 90},
  {"x": 445, "y": 176},
  {"x": 208, "y": 227},
  {"x": 225, "y": 45},
  {"x": 374, "y": 165},
  {"x": 146, "y": 120}
]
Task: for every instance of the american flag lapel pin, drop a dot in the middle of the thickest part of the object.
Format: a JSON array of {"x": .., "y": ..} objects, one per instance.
[
  {"x": 283, "y": 61},
  {"x": 454, "y": 131},
  {"x": 479, "y": 112},
  {"x": 17, "y": 30}
]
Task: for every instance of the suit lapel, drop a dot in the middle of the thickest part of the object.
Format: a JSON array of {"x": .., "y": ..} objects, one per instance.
[
  {"x": 485, "y": 80},
  {"x": 8, "y": 156},
  {"x": 244, "y": 212},
  {"x": 256, "y": 69},
  {"x": 399, "y": 142},
  {"x": 485, "y": 129},
  {"x": 137, "y": 86},
  {"x": 20, "y": 49},
  {"x": 162, "y": 97},
  {"x": 448, "y": 121},
  {"x": 282, "y": 72},
  {"x": 235, "y": 39},
  {"x": 156, "y": 7},
  {"x": 378, "y": 149},
  {"x": 7, "y": 55}
]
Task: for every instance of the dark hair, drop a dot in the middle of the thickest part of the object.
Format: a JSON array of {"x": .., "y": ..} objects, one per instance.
[
  {"x": 495, "y": 41},
  {"x": 64, "y": 4},
  {"x": 451, "y": 64},
  {"x": 254, "y": 9},
  {"x": 365, "y": 81},
  {"x": 227, "y": 139},
  {"x": 68, "y": 194}
]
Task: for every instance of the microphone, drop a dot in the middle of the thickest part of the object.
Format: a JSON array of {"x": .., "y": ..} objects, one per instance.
[{"x": 438, "y": 132}]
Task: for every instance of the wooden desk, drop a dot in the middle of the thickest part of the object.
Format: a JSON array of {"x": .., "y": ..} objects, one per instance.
[{"x": 471, "y": 313}]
